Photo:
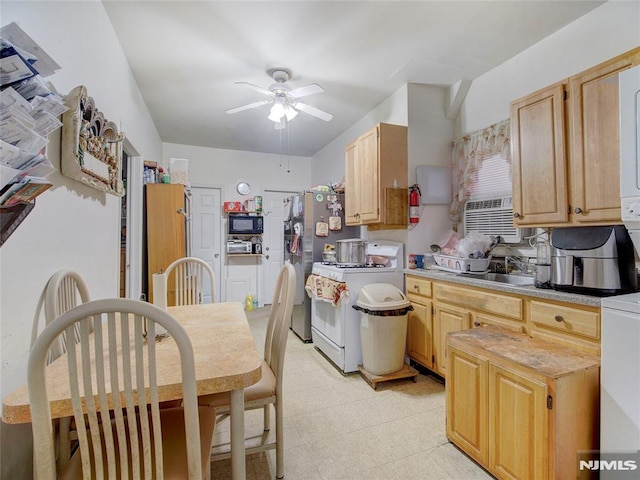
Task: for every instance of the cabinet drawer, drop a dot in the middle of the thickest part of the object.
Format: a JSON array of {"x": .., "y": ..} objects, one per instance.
[
  {"x": 418, "y": 286},
  {"x": 567, "y": 320},
  {"x": 505, "y": 306}
]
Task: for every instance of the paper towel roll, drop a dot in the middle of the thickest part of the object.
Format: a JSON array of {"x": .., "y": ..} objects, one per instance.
[{"x": 160, "y": 290}]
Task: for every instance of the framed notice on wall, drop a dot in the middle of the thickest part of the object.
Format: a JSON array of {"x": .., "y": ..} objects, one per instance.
[{"x": 91, "y": 145}]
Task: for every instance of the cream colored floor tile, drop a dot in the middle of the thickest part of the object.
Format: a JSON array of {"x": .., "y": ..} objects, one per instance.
[
  {"x": 419, "y": 466},
  {"x": 337, "y": 427},
  {"x": 457, "y": 464}
]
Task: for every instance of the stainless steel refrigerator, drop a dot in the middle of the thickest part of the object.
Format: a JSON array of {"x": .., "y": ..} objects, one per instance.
[{"x": 311, "y": 220}]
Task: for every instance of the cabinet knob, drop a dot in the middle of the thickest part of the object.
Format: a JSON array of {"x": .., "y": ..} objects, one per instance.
[
  {"x": 559, "y": 318},
  {"x": 516, "y": 215},
  {"x": 577, "y": 210},
  {"x": 476, "y": 324},
  {"x": 416, "y": 288}
]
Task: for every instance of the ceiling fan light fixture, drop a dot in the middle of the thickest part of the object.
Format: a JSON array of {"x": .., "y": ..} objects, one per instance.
[
  {"x": 290, "y": 112},
  {"x": 283, "y": 99},
  {"x": 277, "y": 112}
]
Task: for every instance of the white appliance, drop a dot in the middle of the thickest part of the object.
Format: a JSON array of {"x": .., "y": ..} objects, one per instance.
[
  {"x": 620, "y": 374},
  {"x": 335, "y": 330},
  {"x": 629, "y": 92}
]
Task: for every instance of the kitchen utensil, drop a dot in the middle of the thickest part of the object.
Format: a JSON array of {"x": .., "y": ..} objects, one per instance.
[
  {"x": 351, "y": 251},
  {"x": 495, "y": 241},
  {"x": 329, "y": 256}
]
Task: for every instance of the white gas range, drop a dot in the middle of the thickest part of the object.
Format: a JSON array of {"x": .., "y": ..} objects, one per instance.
[{"x": 335, "y": 329}]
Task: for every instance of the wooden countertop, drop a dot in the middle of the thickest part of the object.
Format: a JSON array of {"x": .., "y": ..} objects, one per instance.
[
  {"x": 551, "y": 359},
  {"x": 225, "y": 356}
]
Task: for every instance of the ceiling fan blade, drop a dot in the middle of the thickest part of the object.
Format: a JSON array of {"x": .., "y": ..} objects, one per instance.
[
  {"x": 248, "y": 106},
  {"x": 256, "y": 88},
  {"x": 306, "y": 90},
  {"x": 316, "y": 112}
]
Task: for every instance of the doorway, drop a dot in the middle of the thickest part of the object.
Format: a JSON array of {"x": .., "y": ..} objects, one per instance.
[
  {"x": 273, "y": 241},
  {"x": 206, "y": 232},
  {"x": 131, "y": 205}
]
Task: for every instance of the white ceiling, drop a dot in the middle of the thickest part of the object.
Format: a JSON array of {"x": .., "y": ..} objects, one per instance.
[{"x": 186, "y": 56}]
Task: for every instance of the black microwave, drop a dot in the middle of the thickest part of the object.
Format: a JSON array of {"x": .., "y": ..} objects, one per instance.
[{"x": 246, "y": 225}]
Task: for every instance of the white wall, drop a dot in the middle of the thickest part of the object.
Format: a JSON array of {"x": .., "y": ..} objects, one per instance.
[
  {"x": 605, "y": 32},
  {"x": 422, "y": 109},
  {"x": 430, "y": 135},
  {"x": 216, "y": 167},
  {"x": 212, "y": 167},
  {"x": 72, "y": 226},
  {"x": 328, "y": 163}
]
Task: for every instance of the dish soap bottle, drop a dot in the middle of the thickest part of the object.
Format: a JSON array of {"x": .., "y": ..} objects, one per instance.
[{"x": 248, "y": 303}]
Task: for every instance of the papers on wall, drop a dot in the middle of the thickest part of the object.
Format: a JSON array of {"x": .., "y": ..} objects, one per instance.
[
  {"x": 29, "y": 107},
  {"x": 41, "y": 61},
  {"x": 24, "y": 190}
]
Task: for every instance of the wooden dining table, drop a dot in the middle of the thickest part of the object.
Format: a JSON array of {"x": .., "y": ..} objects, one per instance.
[{"x": 226, "y": 360}]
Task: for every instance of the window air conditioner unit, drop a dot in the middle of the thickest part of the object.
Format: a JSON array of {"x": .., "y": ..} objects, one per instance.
[{"x": 493, "y": 216}]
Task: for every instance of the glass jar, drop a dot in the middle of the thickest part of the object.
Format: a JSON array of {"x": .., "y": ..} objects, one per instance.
[{"x": 543, "y": 264}]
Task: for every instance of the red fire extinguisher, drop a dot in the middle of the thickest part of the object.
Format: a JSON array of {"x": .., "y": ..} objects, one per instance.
[{"x": 414, "y": 204}]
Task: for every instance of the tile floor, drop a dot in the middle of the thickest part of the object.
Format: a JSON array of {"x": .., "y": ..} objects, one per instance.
[{"x": 338, "y": 427}]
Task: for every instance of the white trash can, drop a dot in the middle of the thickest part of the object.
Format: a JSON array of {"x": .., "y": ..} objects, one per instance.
[{"x": 383, "y": 327}]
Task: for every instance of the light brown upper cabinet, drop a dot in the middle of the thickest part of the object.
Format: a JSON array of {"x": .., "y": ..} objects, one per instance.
[
  {"x": 376, "y": 178},
  {"x": 565, "y": 151}
]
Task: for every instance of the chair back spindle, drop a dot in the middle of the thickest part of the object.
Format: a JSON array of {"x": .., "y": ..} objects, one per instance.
[{"x": 116, "y": 358}]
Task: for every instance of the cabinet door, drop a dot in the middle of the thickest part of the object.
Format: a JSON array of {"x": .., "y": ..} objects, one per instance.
[
  {"x": 595, "y": 148},
  {"x": 420, "y": 333},
  {"x": 351, "y": 189},
  {"x": 518, "y": 426},
  {"x": 368, "y": 172},
  {"x": 165, "y": 231},
  {"x": 540, "y": 194},
  {"x": 467, "y": 403},
  {"x": 447, "y": 319}
]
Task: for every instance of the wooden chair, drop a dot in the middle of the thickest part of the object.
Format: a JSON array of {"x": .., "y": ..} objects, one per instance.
[
  {"x": 269, "y": 389},
  {"x": 65, "y": 290},
  {"x": 127, "y": 435},
  {"x": 189, "y": 280}
]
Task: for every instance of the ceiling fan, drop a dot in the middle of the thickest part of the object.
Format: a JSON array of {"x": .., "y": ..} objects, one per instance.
[{"x": 284, "y": 101}]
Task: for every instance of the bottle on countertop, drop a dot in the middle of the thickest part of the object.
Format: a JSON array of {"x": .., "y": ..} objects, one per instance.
[{"x": 248, "y": 303}]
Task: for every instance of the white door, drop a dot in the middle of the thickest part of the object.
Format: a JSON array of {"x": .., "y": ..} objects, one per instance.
[
  {"x": 206, "y": 234},
  {"x": 135, "y": 207},
  {"x": 273, "y": 241}
]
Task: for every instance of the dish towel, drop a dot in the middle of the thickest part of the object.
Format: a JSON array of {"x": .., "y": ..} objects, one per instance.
[{"x": 325, "y": 289}]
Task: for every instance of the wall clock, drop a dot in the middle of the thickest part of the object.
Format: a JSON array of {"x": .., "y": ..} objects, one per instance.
[{"x": 243, "y": 188}]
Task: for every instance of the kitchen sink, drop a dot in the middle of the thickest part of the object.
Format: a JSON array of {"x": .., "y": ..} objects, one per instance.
[{"x": 509, "y": 278}]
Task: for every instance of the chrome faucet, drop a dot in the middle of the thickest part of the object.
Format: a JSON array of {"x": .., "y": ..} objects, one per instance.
[{"x": 518, "y": 263}]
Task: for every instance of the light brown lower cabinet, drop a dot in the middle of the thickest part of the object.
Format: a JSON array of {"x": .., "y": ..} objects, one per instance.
[
  {"x": 441, "y": 308},
  {"x": 521, "y": 407}
]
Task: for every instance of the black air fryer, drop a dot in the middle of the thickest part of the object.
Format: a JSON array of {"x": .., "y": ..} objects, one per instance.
[{"x": 593, "y": 260}]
